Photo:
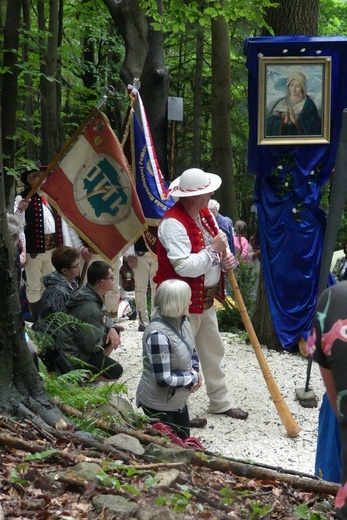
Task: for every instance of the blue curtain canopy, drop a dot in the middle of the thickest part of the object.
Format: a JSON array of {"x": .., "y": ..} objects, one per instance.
[{"x": 289, "y": 176}]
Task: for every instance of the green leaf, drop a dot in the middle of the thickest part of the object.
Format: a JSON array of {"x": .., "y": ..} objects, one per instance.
[
  {"x": 131, "y": 471},
  {"x": 41, "y": 456},
  {"x": 301, "y": 511},
  {"x": 160, "y": 501},
  {"x": 149, "y": 482},
  {"x": 211, "y": 11},
  {"x": 131, "y": 489},
  {"x": 181, "y": 505}
]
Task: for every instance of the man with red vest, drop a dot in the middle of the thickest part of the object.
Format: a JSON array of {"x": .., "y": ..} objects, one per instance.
[{"x": 190, "y": 247}]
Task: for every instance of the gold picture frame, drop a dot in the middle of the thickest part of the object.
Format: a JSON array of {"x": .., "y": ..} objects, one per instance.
[{"x": 294, "y": 100}]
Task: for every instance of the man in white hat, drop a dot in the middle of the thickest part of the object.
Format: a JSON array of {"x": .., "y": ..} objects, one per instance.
[{"x": 189, "y": 248}]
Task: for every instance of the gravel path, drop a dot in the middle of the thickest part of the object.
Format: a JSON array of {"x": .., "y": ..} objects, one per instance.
[{"x": 262, "y": 438}]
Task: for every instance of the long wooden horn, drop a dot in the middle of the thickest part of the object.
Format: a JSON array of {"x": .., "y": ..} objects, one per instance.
[{"x": 286, "y": 417}]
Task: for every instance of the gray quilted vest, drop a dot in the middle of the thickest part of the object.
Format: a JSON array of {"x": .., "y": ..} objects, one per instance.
[{"x": 149, "y": 393}]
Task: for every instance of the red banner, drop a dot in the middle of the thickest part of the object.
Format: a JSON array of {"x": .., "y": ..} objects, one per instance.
[{"x": 94, "y": 192}]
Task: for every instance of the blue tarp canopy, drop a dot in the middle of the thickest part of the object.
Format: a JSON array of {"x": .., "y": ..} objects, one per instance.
[{"x": 289, "y": 178}]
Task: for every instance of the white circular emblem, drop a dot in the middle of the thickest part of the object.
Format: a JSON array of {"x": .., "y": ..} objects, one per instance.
[{"x": 103, "y": 190}]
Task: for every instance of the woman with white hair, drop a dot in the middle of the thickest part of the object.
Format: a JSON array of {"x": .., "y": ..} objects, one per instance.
[
  {"x": 170, "y": 362},
  {"x": 296, "y": 113}
]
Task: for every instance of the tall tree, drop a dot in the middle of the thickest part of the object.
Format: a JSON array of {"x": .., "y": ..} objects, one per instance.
[
  {"x": 22, "y": 392},
  {"x": 28, "y": 83},
  {"x": 294, "y": 17},
  {"x": 221, "y": 115},
  {"x": 10, "y": 89},
  {"x": 155, "y": 91},
  {"x": 51, "y": 131},
  {"x": 144, "y": 59},
  {"x": 198, "y": 97}
]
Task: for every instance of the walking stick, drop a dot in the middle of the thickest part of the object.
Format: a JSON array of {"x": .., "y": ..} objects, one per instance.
[
  {"x": 285, "y": 415},
  {"x": 83, "y": 273}
]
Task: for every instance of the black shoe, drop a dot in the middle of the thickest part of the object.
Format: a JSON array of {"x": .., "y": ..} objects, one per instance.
[
  {"x": 141, "y": 328},
  {"x": 133, "y": 315}
]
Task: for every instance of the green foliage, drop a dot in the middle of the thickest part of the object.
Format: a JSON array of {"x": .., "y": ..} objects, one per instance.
[
  {"x": 82, "y": 75},
  {"x": 177, "y": 501},
  {"x": 55, "y": 323},
  {"x": 228, "y": 496},
  {"x": 17, "y": 475},
  {"x": 302, "y": 511},
  {"x": 149, "y": 482},
  {"x": 333, "y": 18},
  {"x": 229, "y": 318},
  {"x": 75, "y": 390},
  {"x": 41, "y": 456},
  {"x": 259, "y": 510},
  {"x": 176, "y": 14}
]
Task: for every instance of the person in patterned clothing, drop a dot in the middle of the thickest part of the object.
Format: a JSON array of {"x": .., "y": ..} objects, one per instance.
[
  {"x": 170, "y": 362},
  {"x": 327, "y": 344},
  {"x": 44, "y": 232}
]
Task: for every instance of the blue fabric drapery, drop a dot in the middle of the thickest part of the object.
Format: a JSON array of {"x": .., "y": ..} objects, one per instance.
[{"x": 288, "y": 186}]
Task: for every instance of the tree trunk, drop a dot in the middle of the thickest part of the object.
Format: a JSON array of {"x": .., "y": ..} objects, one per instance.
[
  {"x": 261, "y": 319},
  {"x": 51, "y": 140},
  {"x": 22, "y": 393},
  {"x": 9, "y": 90},
  {"x": 258, "y": 472},
  {"x": 28, "y": 86},
  {"x": 131, "y": 21},
  {"x": 144, "y": 59},
  {"x": 197, "y": 122},
  {"x": 154, "y": 92},
  {"x": 221, "y": 116},
  {"x": 293, "y": 17}
]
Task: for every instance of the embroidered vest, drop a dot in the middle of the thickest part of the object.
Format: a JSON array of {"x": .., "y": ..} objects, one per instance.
[
  {"x": 165, "y": 268},
  {"x": 34, "y": 229}
]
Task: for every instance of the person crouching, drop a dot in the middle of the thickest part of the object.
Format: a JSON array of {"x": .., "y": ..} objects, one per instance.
[{"x": 170, "y": 361}]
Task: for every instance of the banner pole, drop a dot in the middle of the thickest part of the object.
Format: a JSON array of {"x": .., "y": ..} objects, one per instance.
[{"x": 132, "y": 97}]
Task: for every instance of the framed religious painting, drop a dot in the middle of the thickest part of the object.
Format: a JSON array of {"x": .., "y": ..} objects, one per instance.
[{"x": 294, "y": 100}]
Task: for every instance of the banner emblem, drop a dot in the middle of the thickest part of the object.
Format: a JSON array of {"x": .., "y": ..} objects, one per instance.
[{"x": 103, "y": 191}]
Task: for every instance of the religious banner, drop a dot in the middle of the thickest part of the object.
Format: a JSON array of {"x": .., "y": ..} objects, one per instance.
[
  {"x": 297, "y": 94},
  {"x": 93, "y": 190},
  {"x": 151, "y": 187}
]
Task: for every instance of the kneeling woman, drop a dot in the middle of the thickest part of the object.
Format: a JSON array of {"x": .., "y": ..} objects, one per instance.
[{"x": 170, "y": 362}]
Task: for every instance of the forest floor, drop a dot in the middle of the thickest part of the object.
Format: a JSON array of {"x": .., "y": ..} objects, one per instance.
[
  {"x": 239, "y": 476},
  {"x": 37, "y": 482}
]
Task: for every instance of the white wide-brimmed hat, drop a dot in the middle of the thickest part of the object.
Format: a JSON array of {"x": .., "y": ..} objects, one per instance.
[{"x": 194, "y": 182}]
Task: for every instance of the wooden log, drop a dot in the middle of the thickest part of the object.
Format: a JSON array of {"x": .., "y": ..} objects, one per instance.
[{"x": 249, "y": 470}]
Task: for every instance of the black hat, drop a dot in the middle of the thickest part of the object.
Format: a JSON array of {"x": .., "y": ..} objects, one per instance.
[{"x": 24, "y": 175}]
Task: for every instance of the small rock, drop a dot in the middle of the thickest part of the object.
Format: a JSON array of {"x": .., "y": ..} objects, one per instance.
[
  {"x": 166, "y": 478},
  {"x": 115, "y": 504},
  {"x": 158, "y": 453},
  {"x": 157, "y": 513},
  {"x": 126, "y": 442}
]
